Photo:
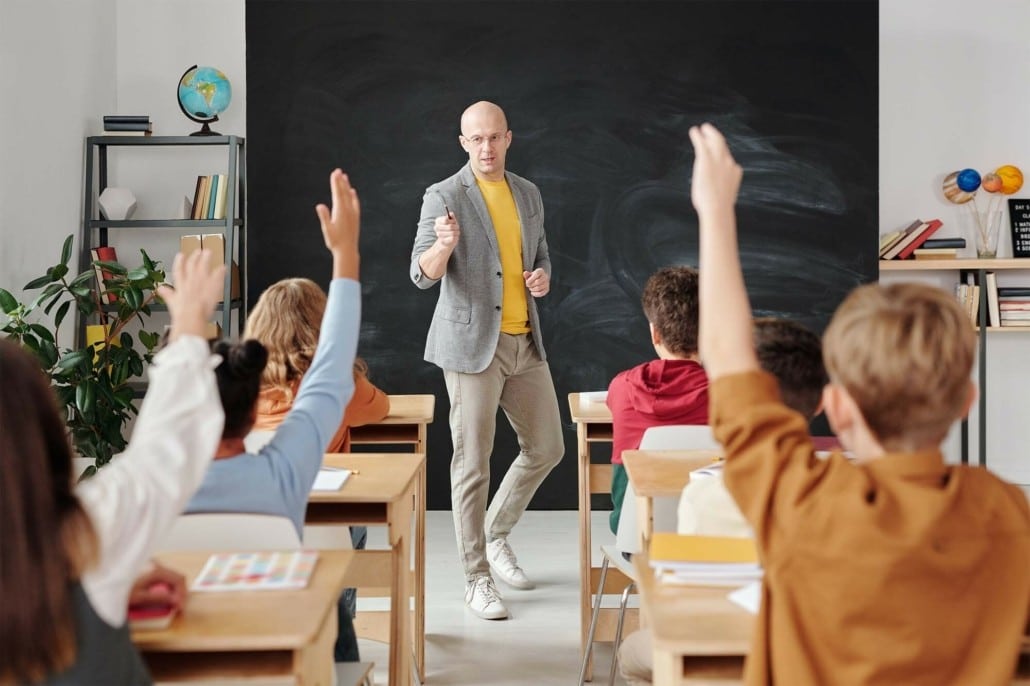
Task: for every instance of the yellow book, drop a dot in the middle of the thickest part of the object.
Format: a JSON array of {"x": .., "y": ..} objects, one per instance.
[{"x": 670, "y": 547}]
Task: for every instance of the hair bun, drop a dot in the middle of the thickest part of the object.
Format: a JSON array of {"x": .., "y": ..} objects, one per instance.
[{"x": 244, "y": 359}]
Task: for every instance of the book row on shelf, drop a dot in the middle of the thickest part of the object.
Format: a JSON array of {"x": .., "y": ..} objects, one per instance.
[
  {"x": 209, "y": 197},
  {"x": 1006, "y": 306},
  {"x": 914, "y": 241}
]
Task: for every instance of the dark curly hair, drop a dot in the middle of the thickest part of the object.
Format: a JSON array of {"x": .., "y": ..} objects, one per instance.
[
  {"x": 239, "y": 380},
  {"x": 794, "y": 355},
  {"x": 670, "y": 303}
]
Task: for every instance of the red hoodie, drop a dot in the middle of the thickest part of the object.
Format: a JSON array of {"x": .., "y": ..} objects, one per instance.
[{"x": 655, "y": 393}]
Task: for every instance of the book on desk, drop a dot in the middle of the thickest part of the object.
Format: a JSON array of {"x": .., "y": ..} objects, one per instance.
[{"x": 704, "y": 560}]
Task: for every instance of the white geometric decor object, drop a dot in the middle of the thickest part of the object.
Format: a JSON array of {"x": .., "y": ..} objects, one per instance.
[
  {"x": 117, "y": 203},
  {"x": 186, "y": 209}
]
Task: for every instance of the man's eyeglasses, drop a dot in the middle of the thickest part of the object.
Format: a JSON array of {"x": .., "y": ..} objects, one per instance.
[{"x": 492, "y": 139}]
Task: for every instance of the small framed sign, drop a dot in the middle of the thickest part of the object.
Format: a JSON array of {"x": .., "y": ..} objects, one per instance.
[{"x": 1019, "y": 217}]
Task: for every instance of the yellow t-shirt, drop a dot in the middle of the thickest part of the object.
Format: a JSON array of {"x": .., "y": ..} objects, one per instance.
[{"x": 501, "y": 205}]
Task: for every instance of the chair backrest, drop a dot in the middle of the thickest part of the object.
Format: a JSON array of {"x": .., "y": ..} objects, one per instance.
[
  {"x": 230, "y": 531},
  {"x": 256, "y": 440},
  {"x": 671, "y": 437}
]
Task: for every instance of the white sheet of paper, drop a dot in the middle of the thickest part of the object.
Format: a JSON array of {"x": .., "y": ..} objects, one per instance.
[
  {"x": 588, "y": 397},
  {"x": 330, "y": 479},
  {"x": 748, "y": 597}
]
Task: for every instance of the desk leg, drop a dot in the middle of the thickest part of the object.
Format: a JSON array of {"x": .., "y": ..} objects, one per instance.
[
  {"x": 313, "y": 664},
  {"x": 400, "y": 591},
  {"x": 420, "y": 573},
  {"x": 585, "y": 606},
  {"x": 668, "y": 668}
]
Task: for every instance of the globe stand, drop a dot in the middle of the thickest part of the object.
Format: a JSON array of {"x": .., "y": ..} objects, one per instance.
[{"x": 205, "y": 130}]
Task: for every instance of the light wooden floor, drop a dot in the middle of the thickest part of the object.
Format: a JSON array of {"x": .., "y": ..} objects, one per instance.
[{"x": 538, "y": 645}]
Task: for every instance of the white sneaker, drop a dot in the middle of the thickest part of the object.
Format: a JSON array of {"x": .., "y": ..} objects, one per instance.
[
  {"x": 503, "y": 563},
  {"x": 482, "y": 598}
]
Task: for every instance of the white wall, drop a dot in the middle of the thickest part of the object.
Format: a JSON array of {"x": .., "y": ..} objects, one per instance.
[
  {"x": 952, "y": 94},
  {"x": 57, "y": 76}
]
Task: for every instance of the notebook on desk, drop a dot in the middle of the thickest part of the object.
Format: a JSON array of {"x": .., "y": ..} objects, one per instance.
[
  {"x": 704, "y": 560},
  {"x": 330, "y": 479},
  {"x": 262, "y": 571}
]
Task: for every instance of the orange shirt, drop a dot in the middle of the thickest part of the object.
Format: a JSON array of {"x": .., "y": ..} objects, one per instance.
[
  {"x": 366, "y": 406},
  {"x": 901, "y": 570}
]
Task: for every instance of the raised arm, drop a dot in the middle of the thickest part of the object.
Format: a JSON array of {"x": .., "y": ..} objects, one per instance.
[
  {"x": 295, "y": 452},
  {"x": 132, "y": 501},
  {"x": 725, "y": 338}
]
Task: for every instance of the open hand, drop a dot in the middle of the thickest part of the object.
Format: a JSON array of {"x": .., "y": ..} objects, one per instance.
[
  {"x": 198, "y": 288},
  {"x": 341, "y": 225},
  {"x": 538, "y": 282},
  {"x": 717, "y": 175}
]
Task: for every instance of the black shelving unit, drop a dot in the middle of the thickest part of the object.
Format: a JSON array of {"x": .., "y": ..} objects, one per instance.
[{"x": 94, "y": 230}]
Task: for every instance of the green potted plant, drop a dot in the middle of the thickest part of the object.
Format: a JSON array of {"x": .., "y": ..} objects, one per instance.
[{"x": 94, "y": 379}]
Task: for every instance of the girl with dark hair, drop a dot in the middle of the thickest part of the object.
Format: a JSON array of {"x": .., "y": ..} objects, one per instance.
[
  {"x": 70, "y": 553},
  {"x": 278, "y": 478}
]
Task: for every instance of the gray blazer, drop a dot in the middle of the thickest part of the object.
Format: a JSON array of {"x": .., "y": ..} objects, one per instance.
[{"x": 467, "y": 322}]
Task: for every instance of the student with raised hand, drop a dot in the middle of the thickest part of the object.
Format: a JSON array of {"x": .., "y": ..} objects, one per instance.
[
  {"x": 793, "y": 355},
  {"x": 70, "y": 553},
  {"x": 929, "y": 563},
  {"x": 278, "y": 479},
  {"x": 286, "y": 320}
]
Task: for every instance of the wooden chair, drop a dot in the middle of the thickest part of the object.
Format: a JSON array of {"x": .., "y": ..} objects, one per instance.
[{"x": 627, "y": 537}]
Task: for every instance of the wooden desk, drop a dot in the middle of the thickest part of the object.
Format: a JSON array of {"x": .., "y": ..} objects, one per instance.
[
  {"x": 594, "y": 427},
  {"x": 407, "y": 424},
  {"x": 700, "y": 636},
  {"x": 384, "y": 492},
  {"x": 272, "y": 635},
  {"x": 661, "y": 474}
]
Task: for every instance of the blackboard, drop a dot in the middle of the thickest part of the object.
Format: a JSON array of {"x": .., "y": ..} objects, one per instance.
[
  {"x": 1019, "y": 220},
  {"x": 599, "y": 96}
]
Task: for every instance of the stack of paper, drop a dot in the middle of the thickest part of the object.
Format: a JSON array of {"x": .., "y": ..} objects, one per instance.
[
  {"x": 705, "y": 560},
  {"x": 330, "y": 479}
]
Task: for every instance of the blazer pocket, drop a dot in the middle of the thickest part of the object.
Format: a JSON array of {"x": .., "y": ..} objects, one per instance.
[{"x": 461, "y": 315}]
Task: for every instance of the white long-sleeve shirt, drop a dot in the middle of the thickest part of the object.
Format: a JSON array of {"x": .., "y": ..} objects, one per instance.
[{"x": 132, "y": 501}]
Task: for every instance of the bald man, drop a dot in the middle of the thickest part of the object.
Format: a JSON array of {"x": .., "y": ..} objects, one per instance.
[{"x": 481, "y": 237}]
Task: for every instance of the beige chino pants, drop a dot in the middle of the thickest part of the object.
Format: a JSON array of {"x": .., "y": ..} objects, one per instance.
[{"x": 518, "y": 382}]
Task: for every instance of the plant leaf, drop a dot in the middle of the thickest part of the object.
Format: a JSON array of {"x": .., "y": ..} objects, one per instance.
[
  {"x": 61, "y": 312},
  {"x": 138, "y": 274},
  {"x": 43, "y": 332},
  {"x": 7, "y": 302},
  {"x": 66, "y": 249},
  {"x": 58, "y": 271},
  {"x": 113, "y": 267},
  {"x": 38, "y": 282},
  {"x": 83, "y": 278},
  {"x": 75, "y": 358}
]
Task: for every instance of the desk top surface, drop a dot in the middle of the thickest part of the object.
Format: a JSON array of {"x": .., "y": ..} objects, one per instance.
[
  {"x": 661, "y": 473},
  {"x": 693, "y": 620},
  {"x": 380, "y": 477},
  {"x": 248, "y": 620},
  {"x": 588, "y": 412},
  {"x": 408, "y": 409}
]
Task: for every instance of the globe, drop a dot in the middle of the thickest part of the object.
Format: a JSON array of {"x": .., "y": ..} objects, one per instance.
[{"x": 203, "y": 94}]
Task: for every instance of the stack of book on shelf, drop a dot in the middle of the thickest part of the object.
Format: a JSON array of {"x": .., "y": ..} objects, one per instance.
[
  {"x": 1014, "y": 306},
  {"x": 127, "y": 125},
  {"x": 704, "y": 560},
  {"x": 901, "y": 244},
  {"x": 209, "y": 197},
  {"x": 940, "y": 249}
]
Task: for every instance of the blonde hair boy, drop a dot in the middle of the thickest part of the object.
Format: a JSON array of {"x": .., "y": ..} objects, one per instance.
[{"x": 899, "y": 569}]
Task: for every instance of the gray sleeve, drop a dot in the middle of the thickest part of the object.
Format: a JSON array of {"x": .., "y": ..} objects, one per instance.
[
  {"x": 432, "y": 207},
  {"x": 543, "y": 258}
]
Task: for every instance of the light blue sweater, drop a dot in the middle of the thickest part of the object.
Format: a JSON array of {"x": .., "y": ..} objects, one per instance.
[{"x": 278, "y": 479}]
